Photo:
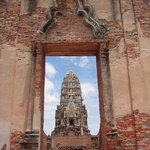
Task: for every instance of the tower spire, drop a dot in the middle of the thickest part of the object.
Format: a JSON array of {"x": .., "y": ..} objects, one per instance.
[{"x": 71, "y": 114}]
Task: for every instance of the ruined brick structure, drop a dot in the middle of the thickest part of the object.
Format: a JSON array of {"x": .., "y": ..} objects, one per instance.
[
  {"x": 116, "y": 32},
  {"x": 71, "y": 114},
  {"x": 71, "y": 129}
]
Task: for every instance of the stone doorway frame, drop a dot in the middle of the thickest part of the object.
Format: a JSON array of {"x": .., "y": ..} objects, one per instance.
[{"x": 98, "y": 49}]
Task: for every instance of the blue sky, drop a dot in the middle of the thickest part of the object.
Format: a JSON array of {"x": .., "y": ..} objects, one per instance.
[{"x": 85, "y": 69}]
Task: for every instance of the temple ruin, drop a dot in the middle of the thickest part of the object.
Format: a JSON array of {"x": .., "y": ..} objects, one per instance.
[
  {"x": 71, "y": 128},
  {"x": 116, "y": 32}
]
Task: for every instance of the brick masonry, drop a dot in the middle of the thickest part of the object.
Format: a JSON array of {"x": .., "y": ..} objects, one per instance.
[
  {"x": 20, "y": 33},
  {"x": 134, "y": 130},
  {"x": 14, "y": 142}
]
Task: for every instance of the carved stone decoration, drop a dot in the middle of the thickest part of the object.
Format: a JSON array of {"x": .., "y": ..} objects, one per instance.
[
  {"x": 49, "y": 18},
  {"x": 99, "y": 28},
  {"x": 85, "y": 9}
]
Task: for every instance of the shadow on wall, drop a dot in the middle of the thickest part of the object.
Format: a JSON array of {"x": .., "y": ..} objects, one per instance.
[
  {"x": 32, "y": 5},
  {"x": 2, "y": 1},
  {"x": 4, "y": 147}
]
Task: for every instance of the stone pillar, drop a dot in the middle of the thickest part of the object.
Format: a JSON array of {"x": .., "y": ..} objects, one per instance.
[
  {"x": 38, "y": 113},
  {"x": 33, "y": 138},
  {"x": 29, "y": 124},
  {"x": 105, "y": 92}
]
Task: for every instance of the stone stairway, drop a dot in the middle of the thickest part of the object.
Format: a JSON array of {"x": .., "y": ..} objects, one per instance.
[{"x": 30, "y": 140}]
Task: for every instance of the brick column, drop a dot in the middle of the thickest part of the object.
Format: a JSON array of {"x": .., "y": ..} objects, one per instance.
[
  {"x": 105, "y": 92},
  {"x": 38, "y": 113}
]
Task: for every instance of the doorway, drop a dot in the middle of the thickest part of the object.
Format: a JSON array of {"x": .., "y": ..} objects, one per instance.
[
  {"x": 76, "y": 49},
  {"x": 85, "y": 68}
]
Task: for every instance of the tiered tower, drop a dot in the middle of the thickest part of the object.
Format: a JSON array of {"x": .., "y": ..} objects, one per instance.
[{"x": 71, "y": 114}]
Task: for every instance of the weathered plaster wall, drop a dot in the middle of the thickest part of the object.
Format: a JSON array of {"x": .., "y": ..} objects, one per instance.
[
  {"x": 130, "y": 70},
  {"x": 5, "y": 134},
  {"x": 15, "y": 89},
  {"x": 7, "y": 72},
  {"x": 22, "y": 70}
]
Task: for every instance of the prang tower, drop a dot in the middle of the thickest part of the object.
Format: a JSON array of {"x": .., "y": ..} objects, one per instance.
[{"x": 71, "y": 114}]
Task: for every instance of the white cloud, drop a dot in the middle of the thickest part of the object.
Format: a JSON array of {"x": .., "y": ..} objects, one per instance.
[
  {"x": 49, "y": 117},
  {"x": 51, "y": 95},
  {"x": 50, "y": 70},
  {"x": 78, "y": 61},
  {"x": 88, "y": 90},
  {"x": 90, "y": 96},
  {"x": 50, "y": 109},
  {"x": 49, "y": 126},
  {"x": 73, "y": 59},
  {"x": 51, "y": 100},
  {"x": 70, "y": 58},
  {"x": 84, "y": 61},
  {"x": 49, "y": 86},
  {"x": 62, "y": 57}
]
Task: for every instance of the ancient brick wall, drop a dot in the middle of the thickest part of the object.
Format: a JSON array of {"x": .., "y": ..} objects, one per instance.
[
  {"x": 71, "y": 141},
  {"x": 124, "y": 78}
]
